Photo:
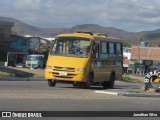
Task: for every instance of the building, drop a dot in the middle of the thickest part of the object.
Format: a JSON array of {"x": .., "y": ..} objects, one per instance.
[
  {"x": 126, "y": 58},
  {"x": 21, "y": 44},
  {"x": 5, "y": 40},
  {"x": 50, "y": 39},
  {"x": 145, "y": 53},
  {"x": 14, "y": 48},
  {"x": 5, "y": 33},
  {"x": 149, "y": 56},
  {"x": 127, "y": 53},
  {"x": 39, "y": 45}
]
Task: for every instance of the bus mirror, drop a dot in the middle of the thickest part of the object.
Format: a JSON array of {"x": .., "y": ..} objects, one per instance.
[
  {"x": 93, "y": 54},
  {"x": 94, "y": 49}
]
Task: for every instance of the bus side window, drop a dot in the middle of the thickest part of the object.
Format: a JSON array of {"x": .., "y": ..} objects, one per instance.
[
  {"x": 95, "y": 50},
  {"x": 104, "y": 50},
  {"x": 119, "y": 50},
  {"x": 111, "y": 50}
]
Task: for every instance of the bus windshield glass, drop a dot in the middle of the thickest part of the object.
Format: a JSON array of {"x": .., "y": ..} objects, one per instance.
[{"x": 71, "y": 46}]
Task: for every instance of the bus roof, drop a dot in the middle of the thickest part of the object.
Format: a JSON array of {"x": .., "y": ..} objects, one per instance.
[{"x": 90, "y": 35}]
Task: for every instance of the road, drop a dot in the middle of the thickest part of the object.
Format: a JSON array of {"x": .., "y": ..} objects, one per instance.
[{"x": 38, "y": 96}]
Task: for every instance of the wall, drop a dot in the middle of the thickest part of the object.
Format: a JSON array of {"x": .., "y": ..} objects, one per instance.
[
  {"x": 5, "y": 32},
  {"x": 20, "y": 43}
]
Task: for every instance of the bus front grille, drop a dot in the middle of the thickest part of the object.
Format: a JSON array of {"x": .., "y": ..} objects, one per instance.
[
  {"x": 69, "y": 75},
  {"x": 58, "y": 68}
]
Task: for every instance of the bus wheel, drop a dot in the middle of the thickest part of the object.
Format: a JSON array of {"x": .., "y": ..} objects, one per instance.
[
  {"x": 109, "y": 84},
  {"x": 89, "y": 82},
  {"x": 78, "y": 84},
  {"x": 51, "y": 83},
  {"x": 75, "y": 84}
]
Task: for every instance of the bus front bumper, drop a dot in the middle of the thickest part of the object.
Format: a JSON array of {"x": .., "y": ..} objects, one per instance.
[{"x": 76, "y": 76}]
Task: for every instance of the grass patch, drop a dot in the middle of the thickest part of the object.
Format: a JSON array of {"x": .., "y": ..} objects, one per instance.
[
  {"x": 5, "y": 74},
  {"x": 38, "y": 73},
  {"x": 132, "y": 78},
  {"x": 131, "y": 91}
]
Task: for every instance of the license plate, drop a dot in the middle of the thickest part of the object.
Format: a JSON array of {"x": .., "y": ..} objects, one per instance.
[{"x": 63, "y": 73}]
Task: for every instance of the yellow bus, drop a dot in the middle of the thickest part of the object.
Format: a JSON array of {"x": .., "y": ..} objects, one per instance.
[{"x": 85, "y": 59}]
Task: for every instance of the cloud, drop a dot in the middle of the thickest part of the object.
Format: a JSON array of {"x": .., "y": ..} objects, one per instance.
[
  {"x": 130, "y": 15},
  {"x": 27, "y": 4}
]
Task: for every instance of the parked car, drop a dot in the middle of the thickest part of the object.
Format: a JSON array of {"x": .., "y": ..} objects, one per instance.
[{"x": 20, "y": 65}]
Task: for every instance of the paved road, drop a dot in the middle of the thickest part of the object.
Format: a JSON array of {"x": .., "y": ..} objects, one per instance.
[{"x": 38, "y": 96}]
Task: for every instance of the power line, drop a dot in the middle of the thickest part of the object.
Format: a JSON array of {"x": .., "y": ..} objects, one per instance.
[
  {"x": 125, "y": 4},
  {"x": 132, "y": 5}
]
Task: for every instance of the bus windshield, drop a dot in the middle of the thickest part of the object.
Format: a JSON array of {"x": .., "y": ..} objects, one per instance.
[{"x": 71, "y": 46}]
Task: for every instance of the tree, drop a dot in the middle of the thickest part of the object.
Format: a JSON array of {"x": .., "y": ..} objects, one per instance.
[{"x": 126, "y": 44}]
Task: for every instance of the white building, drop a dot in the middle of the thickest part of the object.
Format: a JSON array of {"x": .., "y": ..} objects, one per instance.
[
  {"x": 50, "y": 39},
  {"x": 127, "y": 53}
]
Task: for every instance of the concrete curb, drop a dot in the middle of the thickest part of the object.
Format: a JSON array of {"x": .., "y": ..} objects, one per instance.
[
  {"x": 105, "y": 92},
  {"x": 21, "y": 79},
  {"x": 141, "y": 94},
  {"x": 128, "y": 94}
]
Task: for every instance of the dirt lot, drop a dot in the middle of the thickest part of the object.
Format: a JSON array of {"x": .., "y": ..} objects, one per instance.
[{"x": 38, "y": 73}]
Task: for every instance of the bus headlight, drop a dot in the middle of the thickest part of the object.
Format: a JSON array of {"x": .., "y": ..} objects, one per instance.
[
  {"x": 81, "y": 69},
  {"x": 49, "y": 67}
]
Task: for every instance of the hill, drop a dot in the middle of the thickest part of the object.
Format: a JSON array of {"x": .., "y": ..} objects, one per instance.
[
  {"x": 110, "y": 31},
  {"x": 22, "y": 28}
]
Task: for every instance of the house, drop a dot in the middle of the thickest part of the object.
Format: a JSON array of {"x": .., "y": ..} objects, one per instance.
[
  {"x": 5, "y": 33},
  {"x": 126, "y": 58},
  {"x": 145, "y": 53},
  {"x": 5, "y": 40},
  {"x": 148, "y": 56},
  {"x": 25, "y": 44},
  {"x": 21, "y": 44},
  {"x": 39, "y": 45},
  {"x": 50, "y": 39}
]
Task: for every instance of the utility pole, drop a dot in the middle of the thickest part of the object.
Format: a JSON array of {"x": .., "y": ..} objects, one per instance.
[{"x": 139, "y": 38}]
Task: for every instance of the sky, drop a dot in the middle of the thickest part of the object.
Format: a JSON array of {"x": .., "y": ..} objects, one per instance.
[{"x": 128, "y": 15}]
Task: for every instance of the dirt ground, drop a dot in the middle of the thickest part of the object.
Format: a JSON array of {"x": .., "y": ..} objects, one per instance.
[{"x": 38, "y": 73}]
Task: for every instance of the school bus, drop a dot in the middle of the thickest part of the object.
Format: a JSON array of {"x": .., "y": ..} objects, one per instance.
[{"x": 84, "y": 59}]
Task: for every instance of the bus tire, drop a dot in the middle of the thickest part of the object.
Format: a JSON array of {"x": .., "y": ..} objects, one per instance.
[
  {"x": 89, "y": 81},
  {"x": 109, "y": 84},
  {"x": 52, "y": 83},
  {"x": 75, "y": 84},
  {"x": 78, "y": 84}
]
